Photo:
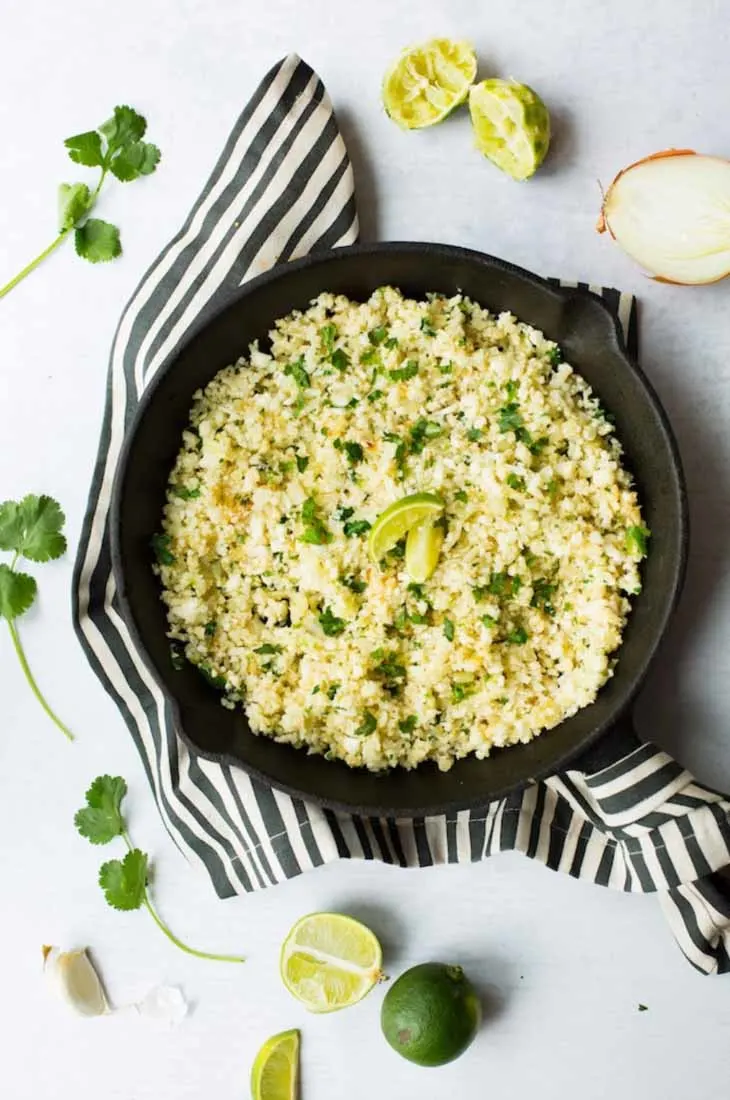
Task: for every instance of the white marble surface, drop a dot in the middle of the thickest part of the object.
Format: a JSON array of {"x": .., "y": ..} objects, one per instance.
[{"x": 566, "y": 964}]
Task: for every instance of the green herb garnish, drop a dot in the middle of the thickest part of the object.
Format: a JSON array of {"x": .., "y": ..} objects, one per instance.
[
  {"x": 407, "y": 725},
  {"x": 268, "y": 650},
  {"x": 302, "y": 463},
  {"x": 378, "y": 335},
  {"x": 353, "y": 527},
  {"x": 184, "y": 494},
  {"x": 116, "y": 147},
  {"x": 368, "y": 725},
  {"x": 449, "y": 630},
  {"x": 30, "y": 529},
  {"x": 340, "y": 360},
  {"x": 474, "y": 434},
  {"x": 124, "y": 881},
  {"x": 542, "y": 595},
  {"x": 426, "y": 327},
  {"x": 328, "y": 335},
  {"x": 161, "y": 548},
  {"x": 354, "y": 583},
  {"x": 354, "y": 451},
  {"x": 516, "y": 483},
  {"x": 297, "y": 371},
  {"x": 517, "y": 636},
  {"x": 402, "y": 374},
  {"x": 637, "y": 540},
  {"x": 314, "y": 530},
  {"x": 421, "y": 432},
  {"x": 331, "y": 625}
]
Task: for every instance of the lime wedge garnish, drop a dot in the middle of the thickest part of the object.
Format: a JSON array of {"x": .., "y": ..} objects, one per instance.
[
  {"x": 423, "y": 547},
  {"x": 330, "y": 961},
  {"x": 398, "y": 518},
  {"x": 275, "y": 1073},
  {"x": 428, "y": 81},
  {"x": 511, "y": 124}
]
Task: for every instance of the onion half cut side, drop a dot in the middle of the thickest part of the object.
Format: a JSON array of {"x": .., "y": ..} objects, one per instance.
[{"x": 671, "y": 213}]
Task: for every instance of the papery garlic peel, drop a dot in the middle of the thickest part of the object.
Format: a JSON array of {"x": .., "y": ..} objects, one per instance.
[
  {"x": 671, "y": 213},
  {"x": 75, "y": 980}
]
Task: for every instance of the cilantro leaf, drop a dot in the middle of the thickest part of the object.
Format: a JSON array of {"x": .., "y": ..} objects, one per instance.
[
  {"x": 402, "y": 374},
  {"x": 449, "y": 630},
  {"x": 407, "y": 725},
  {"x": 97, "y": 241},
  {"x": 268, "y": 649},
  {"x": 85, "y": 149},
  {"x": 161, "y": 549},
  {"x": 328, "y": 335},
  {"x": 135, "y": 160},
  {"x": 368, "y": 725},
  {"x": 124, "y": 127},
  {"x": 340, "y": 359},
  {"x": 378, "y": 335},
  {"x": 101, "y": 819},
  {"x": 17, "y": 593},
  {"x": 32, "y": 528},
  {"x": 74, "y": 201},
  {"x": 331, "y": 624},
  {"x": 298, "y": 373},
  {"x": 124, "y": 881},
  {"x": 352, "y": 527},
  {"x": 636, "y": 540}
]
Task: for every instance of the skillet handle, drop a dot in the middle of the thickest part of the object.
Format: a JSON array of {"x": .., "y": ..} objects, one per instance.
[{"x": 619, "y": 740}]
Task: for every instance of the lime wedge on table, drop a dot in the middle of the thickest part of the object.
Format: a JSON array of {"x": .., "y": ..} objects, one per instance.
[
  {"x": 428, "y": 81},
  {"x": 275, "y": 1073},
  {"x": 398, "y": 518},
  {"x": 511, "y": 124},
  {"x": 330, "y": 961},
  {"x": 423, "y": 547}
]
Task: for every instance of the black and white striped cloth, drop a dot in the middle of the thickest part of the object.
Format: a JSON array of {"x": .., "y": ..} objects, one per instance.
[{"x": 283, "y": 187}]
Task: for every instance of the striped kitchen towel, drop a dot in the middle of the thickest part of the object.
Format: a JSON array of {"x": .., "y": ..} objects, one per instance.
[{"x": 634, "y": 820}]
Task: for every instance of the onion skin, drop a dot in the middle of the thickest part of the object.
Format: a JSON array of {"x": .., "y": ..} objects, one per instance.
[{"x": 668, "y": 252}]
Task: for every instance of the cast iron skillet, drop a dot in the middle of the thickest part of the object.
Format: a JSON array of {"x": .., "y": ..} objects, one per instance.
[{"x": 591, "y": 341}]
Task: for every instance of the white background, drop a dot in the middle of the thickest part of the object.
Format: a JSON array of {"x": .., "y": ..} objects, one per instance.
[{"x": 564, "y": 965}]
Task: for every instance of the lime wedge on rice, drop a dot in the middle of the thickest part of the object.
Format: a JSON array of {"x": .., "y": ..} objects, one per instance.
[
  {"x": 511, "y": 124},
  {"x": 330, "y": 961},
  {"x": 426, "y": 82},
  {"x": 275, "y": 1073},
  {"x": 398, "y": 518},
  {"x": 423, "y": 547}
]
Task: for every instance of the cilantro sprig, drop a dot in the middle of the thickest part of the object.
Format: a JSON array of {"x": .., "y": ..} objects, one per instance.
[
  {"x": 32, "y": 529},
  {"x": 125, "y": 881},
  {"x": 116, "y": 147}
]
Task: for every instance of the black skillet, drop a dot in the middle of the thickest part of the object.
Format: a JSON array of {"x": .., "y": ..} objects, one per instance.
[{"x": 591, "y": 340}]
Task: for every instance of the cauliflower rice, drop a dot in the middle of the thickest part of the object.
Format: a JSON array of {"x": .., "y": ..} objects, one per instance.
[{"x": 291, "y": 455}]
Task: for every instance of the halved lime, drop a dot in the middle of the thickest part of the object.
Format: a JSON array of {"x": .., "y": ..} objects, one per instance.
[
  {"x": 511, "y": 124},
  {"x": 426, "y": 82},
  {"x": 423, "y": 547},
  {"x": 275, "y": 1073},
  {"x": 398, "y": 518},
  {"x": 330, "y": 961}
]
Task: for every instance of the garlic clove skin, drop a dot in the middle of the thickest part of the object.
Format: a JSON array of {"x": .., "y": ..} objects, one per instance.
[{"x": 75, "y": 980}]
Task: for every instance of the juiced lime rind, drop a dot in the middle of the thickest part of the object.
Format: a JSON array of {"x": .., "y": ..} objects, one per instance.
[
  {"x": 511, "y": 125},
  {"x": 428, "y": 81}
]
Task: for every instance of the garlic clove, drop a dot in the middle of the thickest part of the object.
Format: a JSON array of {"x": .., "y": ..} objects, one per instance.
[{"x": 75, "y": 980}]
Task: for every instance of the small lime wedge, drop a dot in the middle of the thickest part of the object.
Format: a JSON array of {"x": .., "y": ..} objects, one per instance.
[
  {"x": 423, "y": 547},
  {"x": 330, "y": 961},
  {"x": 398, "y": 518},
  {"x": 426, "y": 82},
  {"x": 511, "y": 124},
  {"x": 275, "y": 1073}
]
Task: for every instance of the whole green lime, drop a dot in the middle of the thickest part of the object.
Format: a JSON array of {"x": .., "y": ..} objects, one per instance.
[{"x": 431, "y": 1014}]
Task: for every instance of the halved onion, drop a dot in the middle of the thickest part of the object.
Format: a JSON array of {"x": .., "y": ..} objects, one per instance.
[{"x": 671, "y": 213}]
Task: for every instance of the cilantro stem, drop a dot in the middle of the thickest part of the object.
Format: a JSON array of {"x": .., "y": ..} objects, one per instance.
[
  {"x": 31, "y": 680},
  {"x": 183, "y": 946},
  {"x": 34, "y": 263},
  {"x": 169, "y": 933}
]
